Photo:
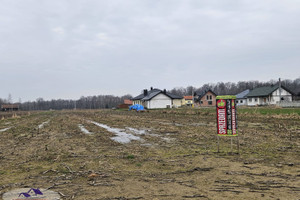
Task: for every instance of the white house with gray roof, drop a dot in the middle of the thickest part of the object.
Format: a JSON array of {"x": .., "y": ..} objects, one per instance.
[
  {"x": 269, "y": 95},
  {"x": 156, "y": 98}
]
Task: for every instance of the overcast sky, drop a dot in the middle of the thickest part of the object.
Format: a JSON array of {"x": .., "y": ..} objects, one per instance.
[{"x": 71, "y": 48}]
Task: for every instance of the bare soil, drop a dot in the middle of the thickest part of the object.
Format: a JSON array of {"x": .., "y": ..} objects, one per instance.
[{"x": 173, "y": 155}]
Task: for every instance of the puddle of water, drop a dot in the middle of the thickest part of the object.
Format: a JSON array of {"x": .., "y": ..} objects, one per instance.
[
  {"x": 5, "y": 129},
  {"x": 121, "y": 135},
  {"x": 84, "y": 130},
  {"x": 43, "y": 124}
]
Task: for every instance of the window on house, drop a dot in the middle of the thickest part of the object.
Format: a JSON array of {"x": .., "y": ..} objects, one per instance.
[
  {"x": 210, "y": 97},
  {"x": 250, "y": 100},
  {"x": 201, "y": 102},
  {"x": 255, "y": 99},
  {"x": 236, "y": 101},
  {"x": 209, "y": 102},
  {"x": 206, "y": 97},
  {"x": 241, "y": 101}
]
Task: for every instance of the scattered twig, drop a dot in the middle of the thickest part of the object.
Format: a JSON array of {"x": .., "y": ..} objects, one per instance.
[
  {"x": 68, "y": 168},
  {"x": 61, "y": 194}
]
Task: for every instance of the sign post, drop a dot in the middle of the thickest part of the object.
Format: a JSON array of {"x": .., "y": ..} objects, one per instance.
[{"x": 226, "y": 117}]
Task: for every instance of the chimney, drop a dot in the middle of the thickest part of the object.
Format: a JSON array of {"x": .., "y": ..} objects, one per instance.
[
  {"x": 151, "y": 88},
  {"x": 145, "y": 92},
  {"x": 165, "y": 91}
]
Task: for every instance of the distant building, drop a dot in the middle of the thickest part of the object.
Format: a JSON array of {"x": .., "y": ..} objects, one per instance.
[
  {"x": 205, "y": 98},
  {"x": 128, "y": 101},
  {"x": 269, "y": 95},
  {"x": 156, "y": 98},
  {"x": 188, "y": 100},
  {"x": 10, "y": 107},
  {"x": 126, "y": 104},
  {"x": 241, "y": 99}
]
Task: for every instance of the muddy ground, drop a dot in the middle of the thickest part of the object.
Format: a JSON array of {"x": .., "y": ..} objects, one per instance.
[{"x": 160, "y": 154}]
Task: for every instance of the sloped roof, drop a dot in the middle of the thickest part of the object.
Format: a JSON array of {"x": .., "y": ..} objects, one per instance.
[
  {"x": 154, "y": 92},
  {"x": 242, "y": 95},
  {"x": 151, "y": 95},
  {"x": 203, "y": 92},
  {"x": 188, "y": 97},
  {"x": 141, "y": 96},
  {"x": 173, "y": 96},
  {"x": 127, "y": 101},
  {"x": 265, "y": 91}
]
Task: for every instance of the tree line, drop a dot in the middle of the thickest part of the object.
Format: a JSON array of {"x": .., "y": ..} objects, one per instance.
[
  {"x": 230, "y": 88},
  {"x": 110, "y": 101},
  {"x": 89, "y": 102}
]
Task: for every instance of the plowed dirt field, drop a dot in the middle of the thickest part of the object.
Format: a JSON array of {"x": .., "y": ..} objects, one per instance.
[{"x": 159, "y": 154}]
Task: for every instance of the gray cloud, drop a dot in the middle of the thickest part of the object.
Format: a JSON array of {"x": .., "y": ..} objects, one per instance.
[{"x": 65, "y": 49}]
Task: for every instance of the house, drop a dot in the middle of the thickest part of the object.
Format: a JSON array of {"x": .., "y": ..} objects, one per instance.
[
  {"x": 126, "y": 104},
  {"x": 188, "y": 101},
  {"x": 10, "y": 107},
  {"x": 205, "y": 98},
  {"x": 268, "y": 95},
  {"x": 241, "y": 99},
  {"x": 156, "y": 98}
]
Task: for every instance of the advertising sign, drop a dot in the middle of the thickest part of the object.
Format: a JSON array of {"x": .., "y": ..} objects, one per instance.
[{"x": 226, "y": 116}]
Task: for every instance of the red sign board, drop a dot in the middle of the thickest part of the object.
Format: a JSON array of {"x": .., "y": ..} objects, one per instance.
[{"x": 226, "y": 116}]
